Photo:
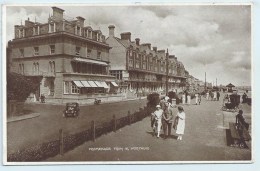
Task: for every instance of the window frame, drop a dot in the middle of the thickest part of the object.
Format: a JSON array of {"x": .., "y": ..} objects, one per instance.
[
  {"x": 52, "y": 53},
  {"x": 36, "y": 53},
  {"x": 64, "y": 87}
]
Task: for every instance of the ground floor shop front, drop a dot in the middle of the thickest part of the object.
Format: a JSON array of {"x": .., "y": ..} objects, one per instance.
[{"x": 76, "y": 87}]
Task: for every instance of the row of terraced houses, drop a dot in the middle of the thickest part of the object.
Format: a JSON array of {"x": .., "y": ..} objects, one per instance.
[{"x": 77, "y": 63}]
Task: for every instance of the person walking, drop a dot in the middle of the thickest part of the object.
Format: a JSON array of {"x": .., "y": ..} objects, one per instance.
[
  {"x": 199, "y": 98},
  {"x": 183, "y": 98},
  {"x": 167, "y": 119},
  {"x": 215, "y": 95},
  {"x": 157, "y": 116},
  {"x": 188, "y": 99},
  {"x": 218, "y": 95},
  {"x": 196, "y": 98},
  {"x": 207, "y": 95},
  {"x": 181, "y": 123}
]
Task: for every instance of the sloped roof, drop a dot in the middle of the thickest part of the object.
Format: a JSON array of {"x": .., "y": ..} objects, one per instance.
[{"x": 230, "y": 85}]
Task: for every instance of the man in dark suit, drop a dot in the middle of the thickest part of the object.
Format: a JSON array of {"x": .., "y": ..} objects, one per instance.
[{"x": 168, "y": 119}]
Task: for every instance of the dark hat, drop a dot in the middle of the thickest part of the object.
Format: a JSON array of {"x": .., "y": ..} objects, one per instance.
[
  {"x": 180, "y": 108},
  {"x": 240, "y": 111}
]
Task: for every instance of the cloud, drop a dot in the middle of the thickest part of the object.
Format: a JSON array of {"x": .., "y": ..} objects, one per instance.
[{"x": 214, "y": 39}]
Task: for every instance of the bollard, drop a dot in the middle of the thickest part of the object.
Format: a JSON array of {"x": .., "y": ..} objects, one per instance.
[
  {"x": 93, "y": 129},
  {"x": 61, "y": 142},
  {"x": 129, "y": 117},
  {"x": 114, "y": 122}
]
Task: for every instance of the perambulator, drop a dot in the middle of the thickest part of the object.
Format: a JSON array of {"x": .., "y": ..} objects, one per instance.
[{"x": 232, "y": 104}]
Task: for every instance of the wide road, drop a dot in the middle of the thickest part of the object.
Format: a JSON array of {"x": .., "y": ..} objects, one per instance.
[
  {"x": 26, "y": 133},
  {"x": 204, "y": 140}
]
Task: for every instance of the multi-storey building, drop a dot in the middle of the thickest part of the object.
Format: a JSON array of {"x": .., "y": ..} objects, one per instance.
[
  {"x": 138, "y": 68},
  {"x": 72, "y": 59}
]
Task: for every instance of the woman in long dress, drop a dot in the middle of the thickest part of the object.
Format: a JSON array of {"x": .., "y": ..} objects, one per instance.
[{"x": 181, "y": 123}]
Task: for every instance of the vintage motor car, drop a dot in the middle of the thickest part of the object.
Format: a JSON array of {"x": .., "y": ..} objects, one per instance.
[{"x": 72, "y": 109}]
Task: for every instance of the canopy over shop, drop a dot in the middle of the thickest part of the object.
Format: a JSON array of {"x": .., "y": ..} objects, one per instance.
[{"x": 87, "y": 87}]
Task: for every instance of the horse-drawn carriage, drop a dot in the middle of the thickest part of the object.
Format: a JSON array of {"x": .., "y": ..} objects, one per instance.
[{"x": 231, "y": 102}]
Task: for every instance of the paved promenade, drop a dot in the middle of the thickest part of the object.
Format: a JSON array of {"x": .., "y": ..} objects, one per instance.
[{"x": 204, "y": 140}]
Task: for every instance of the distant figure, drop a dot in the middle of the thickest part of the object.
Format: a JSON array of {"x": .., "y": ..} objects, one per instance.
[
  {"x": 181, "y": 122},
  {"x": 218, "y": 95},
  {"x": 215, "y": 96},
  {"x": 188, "y": 99},
  {"x": 156, "y": 118},
  {"x": 244, "y": 97},
  {"x": 240, "y": 125},
  {"x": 197, "y": 98},
  {"x": 183, "y": 98},
  {"x": 207, "y": 96},
  {"x": 42, "y": 98}
]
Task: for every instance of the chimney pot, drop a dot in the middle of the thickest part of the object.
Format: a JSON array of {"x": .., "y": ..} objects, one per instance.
[
  {"x": 137, "y": 41},
  {"x": 111, "y": 30},
  {"x": 126, "y": 36}
]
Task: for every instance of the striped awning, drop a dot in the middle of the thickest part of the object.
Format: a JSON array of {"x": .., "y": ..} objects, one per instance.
[
  {"x": 114, "y": 84},
  {"x": 86, "y": 84},
  {"x": 92, "y": 84},
  {"x": 104, "y": 84},
  {"x": 98, "y": 84},
  {"x": 78, "y": 84}
]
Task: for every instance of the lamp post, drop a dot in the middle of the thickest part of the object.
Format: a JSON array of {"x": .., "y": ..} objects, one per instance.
[{"x": 167, "y": 71}]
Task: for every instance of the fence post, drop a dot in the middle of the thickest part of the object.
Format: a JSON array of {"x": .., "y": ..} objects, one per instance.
[
  {"x": 93, "y": 130},
  {"x": 129, "y": 117},
  {"x": 61, "y": 141},
  {"x": 114, "y": 122}
]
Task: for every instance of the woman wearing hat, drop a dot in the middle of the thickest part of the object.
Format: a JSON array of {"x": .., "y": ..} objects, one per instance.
[
  {"x": 157, "y": 115},
  {"x": 181, "y": 122}
]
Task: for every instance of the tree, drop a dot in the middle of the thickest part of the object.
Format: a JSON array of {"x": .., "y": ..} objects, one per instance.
[{"x": 19, "y": 86}]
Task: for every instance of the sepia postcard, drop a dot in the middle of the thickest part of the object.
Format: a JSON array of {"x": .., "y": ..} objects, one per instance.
[{"x": 128, "y": 84}]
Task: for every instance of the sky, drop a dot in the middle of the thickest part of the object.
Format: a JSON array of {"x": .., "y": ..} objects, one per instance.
[{"x": 215, "y": 39}]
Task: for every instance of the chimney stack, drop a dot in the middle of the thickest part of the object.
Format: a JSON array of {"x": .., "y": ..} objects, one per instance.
[
  {"x": 111, "y": 30},
  {"x": 148, "y": 45},
  {"x": 57, "y": 13},
  {"x": 155, "y": 49},
  {"x": 126, "y": 36},
  {"x": 137, "y": 41},
  {"x": 81, "y": 21}
]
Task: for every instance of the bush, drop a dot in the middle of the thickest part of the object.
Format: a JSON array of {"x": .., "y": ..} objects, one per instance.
[
  {"x": 19, "y": 86},
  {"x": 153, "y": 99}
]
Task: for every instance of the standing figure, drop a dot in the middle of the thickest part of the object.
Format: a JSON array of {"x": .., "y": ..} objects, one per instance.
[
  {"x": 196, "y": 98},
  {"x": 188, "y": 99},
  {"x": 181, "y": 123},
  {"x": 157, "y": 116},
  {"x": 167, "y": 119},
  {"x": 207, "y": 95},
  {"x": 183, "y": 98},
  {"x": 218, "y": 95},
  {"x": 199, "y": 98},
  {"x": 215, "y": 96}
]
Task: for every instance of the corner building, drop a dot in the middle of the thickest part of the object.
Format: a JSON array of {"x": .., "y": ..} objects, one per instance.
[
  {"x": 140, "y": 69},
  {"x": 71, "y": 59}
]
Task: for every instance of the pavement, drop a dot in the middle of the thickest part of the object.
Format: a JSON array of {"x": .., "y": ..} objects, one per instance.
[{"x": 205, "y": 139}]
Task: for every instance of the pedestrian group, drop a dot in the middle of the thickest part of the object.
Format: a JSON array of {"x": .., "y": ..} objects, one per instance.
[{"x": 164, "y": 117}]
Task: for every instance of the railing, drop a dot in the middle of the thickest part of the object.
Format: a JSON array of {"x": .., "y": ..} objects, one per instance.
[{"x": 69, "y": 142}]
